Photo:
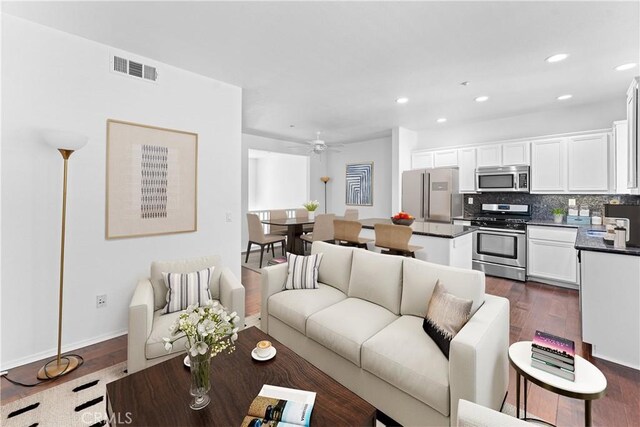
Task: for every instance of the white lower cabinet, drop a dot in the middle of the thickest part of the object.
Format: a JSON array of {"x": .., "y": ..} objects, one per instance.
[
  {"x": 610, "y": 303},
  {"x": 551, "y": 256}
]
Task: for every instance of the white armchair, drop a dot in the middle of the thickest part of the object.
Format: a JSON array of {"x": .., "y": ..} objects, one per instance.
[{"x": 147, "y": 326}]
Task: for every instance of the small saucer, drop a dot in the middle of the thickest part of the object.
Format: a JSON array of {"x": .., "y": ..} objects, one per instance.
[
  {"x": 265, "y": 358},
  {"x": 186, "y": 361}
]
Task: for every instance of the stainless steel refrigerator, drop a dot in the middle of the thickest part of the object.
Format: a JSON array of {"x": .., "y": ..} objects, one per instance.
[{"x": 431, "y": 194}]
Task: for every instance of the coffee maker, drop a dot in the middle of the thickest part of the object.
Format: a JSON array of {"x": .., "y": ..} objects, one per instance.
[{"x": 630, "y": 212}]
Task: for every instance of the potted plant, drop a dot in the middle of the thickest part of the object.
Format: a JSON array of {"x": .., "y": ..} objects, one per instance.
[
  {"x": 311, "y": 207},
  {"x": 558, "y": 214}
]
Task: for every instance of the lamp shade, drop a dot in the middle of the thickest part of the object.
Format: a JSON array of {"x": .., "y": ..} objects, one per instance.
[{"x": 60, "y": 139}]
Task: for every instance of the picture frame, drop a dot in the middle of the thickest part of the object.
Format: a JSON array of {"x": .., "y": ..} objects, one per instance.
[
  {"x": 151, "y": 182},
  {"x": 359, "y": 184}
]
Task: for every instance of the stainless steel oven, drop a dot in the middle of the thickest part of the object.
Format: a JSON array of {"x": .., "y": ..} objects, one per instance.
[
  {"x": 500, "y": 252},
  {"x": 507, "y": 178},
  {"x": 500, "y": 243}
]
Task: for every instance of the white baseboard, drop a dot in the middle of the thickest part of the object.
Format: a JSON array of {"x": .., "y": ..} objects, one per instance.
[{"x": 65, "y": 349}]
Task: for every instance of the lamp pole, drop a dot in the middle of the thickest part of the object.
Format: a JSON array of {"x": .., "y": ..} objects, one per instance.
[
  {"x": 325, "y": 179},
  {"x": 66, "y": 144}
]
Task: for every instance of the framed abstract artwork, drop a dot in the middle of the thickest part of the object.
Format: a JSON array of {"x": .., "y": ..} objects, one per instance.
[
  {"x": 359, "y": 180},
  {"x": 152, "y": 183}
]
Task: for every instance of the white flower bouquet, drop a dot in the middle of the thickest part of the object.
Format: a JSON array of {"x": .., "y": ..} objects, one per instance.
[
  {"x": 311, "y": 205},
  {"x": 208, "y": 328}
]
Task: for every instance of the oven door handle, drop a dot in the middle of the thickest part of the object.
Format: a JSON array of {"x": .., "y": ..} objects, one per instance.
[{"x": 502, "y": 232}]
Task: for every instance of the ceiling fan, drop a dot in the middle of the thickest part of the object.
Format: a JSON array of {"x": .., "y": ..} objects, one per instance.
[{"x": 318, "y": 146}]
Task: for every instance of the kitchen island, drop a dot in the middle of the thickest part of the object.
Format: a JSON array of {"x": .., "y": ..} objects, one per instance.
[
  {"x": 610, "y": 298},
  {"x": 442, "y": 243}
]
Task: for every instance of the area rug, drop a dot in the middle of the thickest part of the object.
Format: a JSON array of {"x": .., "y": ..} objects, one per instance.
[
  {"x": 80, "y": 402},
  {"x": 254, "y": 259}
]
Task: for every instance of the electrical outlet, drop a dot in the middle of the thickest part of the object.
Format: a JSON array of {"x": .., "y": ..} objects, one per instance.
[
  {"x": 572, "y": 202},
  {"x": 228, "y": 216},
  {"x": 470, "y": 200},
  {"x": 101, "y": 301}
]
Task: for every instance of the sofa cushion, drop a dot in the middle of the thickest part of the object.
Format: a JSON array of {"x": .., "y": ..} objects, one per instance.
[
  {"x": 405, "y": 357},
  {"x": 183, "y": 266},
  {"x": 154, "y": 347},
  {"x": 295, "y": 307},
  {"x": 185, "y": 289},
  {"x": 303, "y": 271},
  {"x": 343, "y": 327},
  {"x": 420, "y": 277},
  {"x": 377, "y": 278},
  {"x": 446, "y": 315},
  {"x": 335, "y": 269}
]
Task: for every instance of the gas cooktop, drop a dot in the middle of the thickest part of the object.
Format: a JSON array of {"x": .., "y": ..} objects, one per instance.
[{"x": 503, "y": 216}]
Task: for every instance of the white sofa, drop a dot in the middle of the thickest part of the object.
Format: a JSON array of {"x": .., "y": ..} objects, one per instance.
[
  {"x": 363, "y": 327},
  {"x": 147, "y": 324}
]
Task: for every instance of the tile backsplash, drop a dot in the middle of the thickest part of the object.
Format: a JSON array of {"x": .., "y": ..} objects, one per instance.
[{"x": 542, "y": 204}]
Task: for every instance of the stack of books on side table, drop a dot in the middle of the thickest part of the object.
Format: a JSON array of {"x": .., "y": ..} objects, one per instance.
[{"x": 554, "y": 354}]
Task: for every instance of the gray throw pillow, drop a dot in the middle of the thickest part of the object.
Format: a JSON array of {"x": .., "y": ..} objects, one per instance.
[{"x": 446, "y": 315}]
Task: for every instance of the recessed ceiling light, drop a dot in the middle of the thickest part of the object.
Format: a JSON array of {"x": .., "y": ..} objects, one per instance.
[
  {"x": 482, "y": 98},
  {"x": 465, "y": 83},
  {"x": 624, "y": 67},
  {"x": 402, "y": 100},
  {"x": 557, "y": 57},
  {"x": 564, "y": 97},
  {"x": 441, "y": 120}
]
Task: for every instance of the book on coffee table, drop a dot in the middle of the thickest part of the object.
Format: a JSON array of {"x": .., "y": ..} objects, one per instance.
[{"x": 280, "y": 406}]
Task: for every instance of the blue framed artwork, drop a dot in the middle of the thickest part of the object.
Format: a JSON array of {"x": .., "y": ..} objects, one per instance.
[{"x": 359, "y": 179}]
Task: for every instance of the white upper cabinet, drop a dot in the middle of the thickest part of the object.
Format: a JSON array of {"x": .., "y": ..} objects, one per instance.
[
  {"x": 489, "y": 155},
  {"x": 445, "y": 158},
  {"x": 548, "y": 166},
  {"x": 621, "y": 141},
  {"x": 515, "y": 154},
  {"x": 588, "y": 169},
  {"x": 467, "y": 169},
  {"x": 422, "y": 160}
]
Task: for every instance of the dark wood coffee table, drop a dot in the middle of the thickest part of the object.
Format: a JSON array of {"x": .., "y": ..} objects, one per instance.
[{"x": 159, "y": 395}]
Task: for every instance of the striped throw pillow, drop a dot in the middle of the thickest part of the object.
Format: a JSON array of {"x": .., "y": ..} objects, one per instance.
[
  {"x": 303, "y": 271},
  {"x": 186, "y": 289}
]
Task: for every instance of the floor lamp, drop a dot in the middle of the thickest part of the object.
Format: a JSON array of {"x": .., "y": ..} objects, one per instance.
[
  {"x": 325, "y": 179},
  {"x": 66, "y": 143}
]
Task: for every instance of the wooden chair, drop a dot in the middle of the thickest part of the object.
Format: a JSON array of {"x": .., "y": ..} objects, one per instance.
[
  {"x": 351, "y": 214},
  {"x": 348, "y": 233},
  {"x": 302, "y": 213},
  {"x": 279, "y": 230},
  {"x": 322, "y": 229},
  {"x": 257, "y": 237},
  {"x": 395, "y": 238}
]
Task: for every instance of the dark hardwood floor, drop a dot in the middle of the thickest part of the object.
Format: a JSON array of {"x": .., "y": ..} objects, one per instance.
[{"x": 533, "y": 306}]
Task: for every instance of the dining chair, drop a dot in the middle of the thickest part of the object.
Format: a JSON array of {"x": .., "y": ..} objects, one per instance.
[
  {"x": 322, "y": 229},
  {"x": 280, "y": 230},
  {"x": 395, "y": 238},
  {"x": 257, "y": 237},
  {"x": 348, "y": 233},
  {"x": 302, "y": 213},
  {"x": 351, "y": 214}
]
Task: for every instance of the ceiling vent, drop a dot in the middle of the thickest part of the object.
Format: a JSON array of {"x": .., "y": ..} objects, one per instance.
[{"x": 131, "y": 68}]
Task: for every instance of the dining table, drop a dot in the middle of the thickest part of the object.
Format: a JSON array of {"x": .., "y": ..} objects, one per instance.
[{"x": 295, "y": 228}]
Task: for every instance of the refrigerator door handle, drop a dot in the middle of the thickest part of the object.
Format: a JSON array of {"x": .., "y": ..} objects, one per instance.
[
  {"x": 426, "y": 194},
  {"x": 422, "y": 192}
]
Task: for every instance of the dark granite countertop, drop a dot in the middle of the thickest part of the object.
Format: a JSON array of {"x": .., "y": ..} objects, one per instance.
[
  {"x": 586, "y": 242},
  {"x": 434, "y": 229}
]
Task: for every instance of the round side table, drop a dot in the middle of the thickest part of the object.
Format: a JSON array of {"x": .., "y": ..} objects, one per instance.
[{"x": 590, "y": 383}]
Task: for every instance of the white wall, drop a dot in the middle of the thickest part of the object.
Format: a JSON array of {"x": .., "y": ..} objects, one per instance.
[
  {"x": 379, "y": 151},
  {"x": 548, "y": 122},
  {"x": 280, "y": 181},
  {"x": 403, "y": 142},
  {"x": 56, "y": 80}
]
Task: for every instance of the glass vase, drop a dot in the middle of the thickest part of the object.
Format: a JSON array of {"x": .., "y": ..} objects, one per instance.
[{"x": 200, "y": 380}]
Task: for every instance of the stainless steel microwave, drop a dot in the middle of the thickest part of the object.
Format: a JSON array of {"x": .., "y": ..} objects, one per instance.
[{"x": 506, "y": 178}]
